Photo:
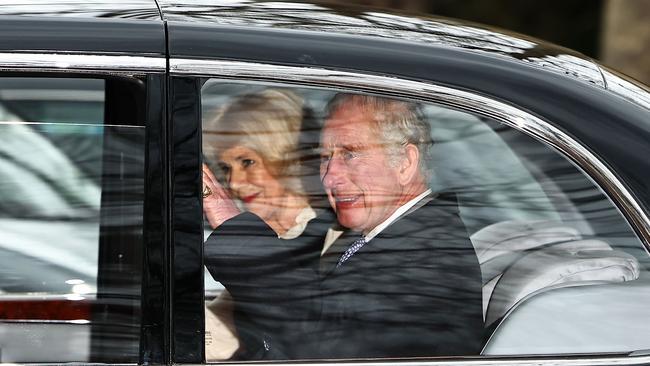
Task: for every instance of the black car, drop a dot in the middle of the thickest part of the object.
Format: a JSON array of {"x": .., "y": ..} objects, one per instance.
[{"x": 104, "y": 118}]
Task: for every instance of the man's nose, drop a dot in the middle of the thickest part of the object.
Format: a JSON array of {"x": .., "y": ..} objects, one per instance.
[{"x": 332, "y": 172}]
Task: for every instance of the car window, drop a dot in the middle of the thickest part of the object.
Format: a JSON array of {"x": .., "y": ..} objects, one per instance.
[
  {"x": 71, "y": 187},
  {"x": 345, "y": 225}
]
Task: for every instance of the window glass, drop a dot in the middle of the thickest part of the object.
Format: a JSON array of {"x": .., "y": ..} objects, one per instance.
[
  {"x": 71, "y": 191},
  {"x": 341, "y": 225}
]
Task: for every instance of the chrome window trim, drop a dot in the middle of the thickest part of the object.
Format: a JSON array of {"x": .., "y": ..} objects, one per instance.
[
  {"x": 426, "y": 92},
  {"x": 467, "y": 361},
  {"x": 66, "y": 124},
  {"x": 66, "y": 62}
]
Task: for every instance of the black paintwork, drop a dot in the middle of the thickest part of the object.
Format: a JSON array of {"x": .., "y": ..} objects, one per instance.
[
  {"x": 81, "y": 35},
  {"x": 186, "y": 221},
  {"x": 155, "y": 332},
  {"x": 132, "y": 26}
]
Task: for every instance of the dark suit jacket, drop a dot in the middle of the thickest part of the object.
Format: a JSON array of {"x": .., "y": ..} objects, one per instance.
[
  {"x": 413, "y": 290},
  {"x": 272, "y": 281}
]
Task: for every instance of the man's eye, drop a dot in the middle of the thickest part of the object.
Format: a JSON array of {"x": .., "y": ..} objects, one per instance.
[
  {"x": 247, "y": 162},
  {"x": 348, "y": 155}
]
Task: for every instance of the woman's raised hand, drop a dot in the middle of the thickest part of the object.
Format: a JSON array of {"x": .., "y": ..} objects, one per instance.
[{"x": 218, "y": 207}]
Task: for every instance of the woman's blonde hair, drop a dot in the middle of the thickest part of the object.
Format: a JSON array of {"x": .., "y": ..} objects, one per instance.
[{"x": 268, "y": 122}]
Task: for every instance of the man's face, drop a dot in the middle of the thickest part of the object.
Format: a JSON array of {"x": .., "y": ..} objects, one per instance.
[{"x": 361, "y": 185}]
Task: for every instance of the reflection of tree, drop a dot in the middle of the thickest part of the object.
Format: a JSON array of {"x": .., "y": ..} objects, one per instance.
[
  {"x": 352, "y": 21},
  {"x": 626, "y": 37},
  {"x": 38, "y": 180},
  {"x": 575, "y": 66},
  {"x": 574, "y": 24}
]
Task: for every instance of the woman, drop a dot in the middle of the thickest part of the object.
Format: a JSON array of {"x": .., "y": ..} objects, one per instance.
[{"x": 265, "y": 256}]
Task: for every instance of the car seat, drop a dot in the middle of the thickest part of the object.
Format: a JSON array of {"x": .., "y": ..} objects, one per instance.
[{"x": 521, "y": 258}]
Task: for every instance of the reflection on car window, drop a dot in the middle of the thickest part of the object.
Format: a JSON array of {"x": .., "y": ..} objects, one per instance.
[
  {"x": 63, "y": 182},
  {"x": 342, "y": 225}
]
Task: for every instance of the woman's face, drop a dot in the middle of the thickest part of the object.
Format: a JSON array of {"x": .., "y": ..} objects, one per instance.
[{"x": 250, "y": 180}]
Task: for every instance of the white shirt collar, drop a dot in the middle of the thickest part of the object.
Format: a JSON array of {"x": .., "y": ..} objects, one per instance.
[
  {"x": 302, "y": 220},
  {"x": 333, "y": 234},
  {"x": 399, "y": 212}
]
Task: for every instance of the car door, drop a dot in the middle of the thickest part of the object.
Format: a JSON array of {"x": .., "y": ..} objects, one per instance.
[
  {"x": 551, "y": 209},
  {"x": 82, "y": 204}
]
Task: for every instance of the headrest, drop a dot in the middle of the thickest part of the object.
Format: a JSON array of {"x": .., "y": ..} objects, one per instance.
[
  {"x": 560, "y": 265},
  {"x": 506, "y": 237}
]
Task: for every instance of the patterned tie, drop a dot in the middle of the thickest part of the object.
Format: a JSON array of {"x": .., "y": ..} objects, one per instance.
[{"x": 354, "y": 247}]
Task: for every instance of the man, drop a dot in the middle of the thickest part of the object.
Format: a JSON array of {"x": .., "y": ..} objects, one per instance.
[{"x": 403, "y": 280}]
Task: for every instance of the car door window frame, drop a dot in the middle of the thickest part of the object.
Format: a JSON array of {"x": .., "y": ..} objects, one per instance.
[
  {"x": 154, "y": 333},
  {"x": 189, "y": 71}
]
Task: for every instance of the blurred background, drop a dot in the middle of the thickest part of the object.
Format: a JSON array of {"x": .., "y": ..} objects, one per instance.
[{"x": 615, "y": 32}]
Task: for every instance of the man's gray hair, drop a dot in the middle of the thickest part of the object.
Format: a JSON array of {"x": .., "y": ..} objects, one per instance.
[{"x": 398, "y": 122}]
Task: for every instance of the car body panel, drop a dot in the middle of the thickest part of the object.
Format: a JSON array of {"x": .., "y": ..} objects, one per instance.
[
  {"x": 89, "y": 36},
  {"x": 129, "y": 26}
]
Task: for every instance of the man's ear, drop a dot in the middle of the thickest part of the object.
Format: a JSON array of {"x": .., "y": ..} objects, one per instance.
[{"x": 408, "y": 168}]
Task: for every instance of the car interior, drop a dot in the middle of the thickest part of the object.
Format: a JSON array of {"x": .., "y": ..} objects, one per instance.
[
  {"x": 543, "y": 233},
  {"x": 542, "y": 229}
]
